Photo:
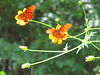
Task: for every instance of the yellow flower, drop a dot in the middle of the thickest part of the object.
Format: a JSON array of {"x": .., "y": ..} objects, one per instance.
[
  {"x": 59, "y": 34},
  {"x": 56, "y": 39},
  {"x": 21, "y": 21},
  {"x": 25, "y": 16}
]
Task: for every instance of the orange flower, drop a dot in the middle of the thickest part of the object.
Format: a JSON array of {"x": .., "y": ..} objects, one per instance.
[
  {"x": 59, "y": 34},
  {"x": 25, "y": 16}
]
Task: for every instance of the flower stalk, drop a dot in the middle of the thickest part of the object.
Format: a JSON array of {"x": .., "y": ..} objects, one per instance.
[
  {"x": 55, "y": 56},
  {"x": 45, "y": 51},
  {"x": 42, "y": 23}
]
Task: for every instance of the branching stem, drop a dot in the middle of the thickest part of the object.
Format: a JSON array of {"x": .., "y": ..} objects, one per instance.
[{"x": 55, "y": 56}]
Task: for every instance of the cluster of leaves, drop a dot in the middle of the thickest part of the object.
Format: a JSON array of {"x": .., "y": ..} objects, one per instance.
[{"x": 33, "y": 36}]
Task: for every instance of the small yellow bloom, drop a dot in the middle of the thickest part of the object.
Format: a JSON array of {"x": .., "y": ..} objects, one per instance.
[
  {"x": 25, "y": 16},
  {"x": 22, "y": 16},
  {"x": 59, "y": 34},
  {"x": 59, "y": 40}
]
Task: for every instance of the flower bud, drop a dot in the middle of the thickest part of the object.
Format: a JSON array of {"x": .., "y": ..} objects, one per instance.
[
  {"x": 89, "y": 58},
  {"x": 23, "y": 47},
  {"x": 80, "y": 2},
  {"x": 57, "y": 19},
  {"x": 26, "y": 65}
]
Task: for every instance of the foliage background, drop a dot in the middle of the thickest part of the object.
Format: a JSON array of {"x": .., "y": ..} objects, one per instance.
[{"x": 33, "y": 35}]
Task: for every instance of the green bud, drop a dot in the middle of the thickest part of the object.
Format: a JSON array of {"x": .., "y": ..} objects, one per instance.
[
  {"x": 89, "y": 58},
  {"x": 80, "y": 2},
  {"x": 56, "y": 19},
  {"x": 23, "y": 47},
  {"x": 26, "y": 65}
]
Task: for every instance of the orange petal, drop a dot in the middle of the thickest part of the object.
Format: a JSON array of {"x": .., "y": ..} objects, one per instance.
[
  {"x": 54, "y": 40},
  {"x": 59, "y": 41}
]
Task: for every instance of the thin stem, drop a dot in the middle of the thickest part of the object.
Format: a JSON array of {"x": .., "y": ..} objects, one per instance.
[
  {"x": 42, "y": 23},
  {"x": 74, "y": 38},
  {"x": 84, "y": 14},
  {"x": 94, "y": 28},
  {"x": 97, "y": 57},
  {"x": 95, "y": 41},
  {"x": 80, "y": 34},
  {"x": 95, "y": 46},
  {"x": 55, "y": 56},
  {"x": 44, "y": 51}
]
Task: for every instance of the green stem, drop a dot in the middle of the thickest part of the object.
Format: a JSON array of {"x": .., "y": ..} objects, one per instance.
[
  {"x": 80, "y": 34},
  {"x": 95, "y": 46},
  {"x": 74, "y": 38},
  {"x": 94, "y": 28},
  {"x": 44, "y": 51},
  {"x": 92, "y": 43},
  {"x": 97, "y": 57},
  {"x": 42, "y": 23},
  {"x": 95, "y": 41},
  {"x": 85, "y": 15},
  {"x": 55, "y": 56}
]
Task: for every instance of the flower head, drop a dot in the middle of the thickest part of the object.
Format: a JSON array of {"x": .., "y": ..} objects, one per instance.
[
  {"x": 26, "y": 65},
  {"x": 25, "y": 16},
  {"x": 59, "y": 34},
  {"x": 23, "y": 47},
  {"x": 20, "y": 21},
  {"x": 89, "y": 58},
  {"x": 80, "y": 2}
]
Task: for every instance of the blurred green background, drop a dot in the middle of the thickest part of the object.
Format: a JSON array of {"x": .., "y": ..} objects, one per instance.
[{"x": 34, "y": 36}]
